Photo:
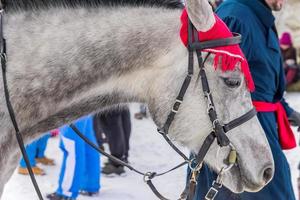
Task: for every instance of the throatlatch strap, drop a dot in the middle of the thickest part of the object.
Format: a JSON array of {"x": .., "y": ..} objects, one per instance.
[
  {"x": 173, "y": 146},
  {"x": 177, "y": 104}
]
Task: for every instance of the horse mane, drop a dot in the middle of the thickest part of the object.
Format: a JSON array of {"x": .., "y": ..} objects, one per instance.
[{"x": 33, "y": 5}]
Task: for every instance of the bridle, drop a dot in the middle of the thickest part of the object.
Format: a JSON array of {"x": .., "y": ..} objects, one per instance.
[{"x": 218, "y": 132}]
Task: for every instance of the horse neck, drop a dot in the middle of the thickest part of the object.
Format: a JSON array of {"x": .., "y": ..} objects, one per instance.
[{"x": 66, "y": 63}]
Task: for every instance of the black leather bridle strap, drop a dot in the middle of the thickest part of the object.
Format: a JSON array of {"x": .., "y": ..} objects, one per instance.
[
  {"x": 173, "y": 146},
  {"x": 236, "y": 39},
  {"x": 177, "y": 104},
  {"x": 18, "y": 134},
  {"x": 227, "y": 127},
  {"x": 10, "y": 108},
  {"x": 155, "y": 191},
  {"x": 240, "y": 120},
  {"x": 164, "y": 131},
  {"x": 205, "y": 147},
  {"x": 219, "y": 132}
]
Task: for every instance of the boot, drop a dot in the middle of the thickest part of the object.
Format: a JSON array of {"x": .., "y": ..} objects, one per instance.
[
  {"x": 87, "y": 193},
  {"x": 138, "y": 115},
  {"x": 54, "y": 196},
  {"x": 45, "y": 161},
  {"x": 110, "y": 168},
  {"x": 35, "y": 170}
]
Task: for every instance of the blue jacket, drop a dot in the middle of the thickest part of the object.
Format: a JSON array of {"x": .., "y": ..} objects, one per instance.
[
  {"x": 260, "y": 45},
  {"x": 255, "y": 22}
]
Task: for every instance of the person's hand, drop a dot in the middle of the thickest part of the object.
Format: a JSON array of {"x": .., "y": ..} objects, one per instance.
[{"x": 294, "y": 119}]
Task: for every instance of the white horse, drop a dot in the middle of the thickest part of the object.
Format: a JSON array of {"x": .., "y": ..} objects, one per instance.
[{"x": 65, "y": 62}]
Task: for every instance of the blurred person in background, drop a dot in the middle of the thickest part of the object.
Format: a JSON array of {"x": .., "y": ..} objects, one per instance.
[
  {"x": 36, "y": 154},
  {"x": 254, "y": 20},
  {"x": 116, "y": 125},
  {"x": 80, "y": 170},
  {"x": 289, "y": 55}
]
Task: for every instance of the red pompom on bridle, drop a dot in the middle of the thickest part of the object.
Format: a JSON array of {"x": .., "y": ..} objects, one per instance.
[{"x": 229, "y": 55}]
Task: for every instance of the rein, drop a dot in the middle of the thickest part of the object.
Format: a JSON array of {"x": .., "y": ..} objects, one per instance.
[
  {"x": 218, "y": 132},
  {"x": 9, "y": 106}
]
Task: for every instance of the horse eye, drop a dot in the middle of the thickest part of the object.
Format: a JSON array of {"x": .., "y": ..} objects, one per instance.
[{"x": 232, "y": 82}]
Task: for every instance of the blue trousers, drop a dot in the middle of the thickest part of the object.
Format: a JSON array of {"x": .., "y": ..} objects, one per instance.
[
  {"x": 80, "y": 168},
  {"x": 36, "y": 149},
  {"x": 280, "y": 188}
]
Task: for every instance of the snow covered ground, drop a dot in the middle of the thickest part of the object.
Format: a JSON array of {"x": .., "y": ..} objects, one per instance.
[{"x": 149, "y": 152}]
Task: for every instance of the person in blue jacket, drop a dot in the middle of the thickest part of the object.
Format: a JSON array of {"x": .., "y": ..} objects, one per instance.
[
  {"x": 36, "y": 154},
  {"x": 254, "y": 20},
  {"x": 80, "y": 170}
]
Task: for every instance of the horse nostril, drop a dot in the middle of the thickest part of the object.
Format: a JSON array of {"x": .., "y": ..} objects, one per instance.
[{"x": 268, "y": 174}]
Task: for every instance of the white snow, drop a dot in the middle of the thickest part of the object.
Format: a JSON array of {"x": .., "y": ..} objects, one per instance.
[{"x": 149, "y": 152}]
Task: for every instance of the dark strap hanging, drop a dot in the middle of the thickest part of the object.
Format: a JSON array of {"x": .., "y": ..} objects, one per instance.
[
  {"x": 148, "y": 176},
  {"x": 10, "y": 108}
]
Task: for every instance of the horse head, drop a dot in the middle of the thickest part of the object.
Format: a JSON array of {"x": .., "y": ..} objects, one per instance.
[{"x": 230, "y": 92}]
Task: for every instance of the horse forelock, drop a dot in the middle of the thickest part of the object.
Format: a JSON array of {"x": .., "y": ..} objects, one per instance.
[{"x": 33, "y": 5}]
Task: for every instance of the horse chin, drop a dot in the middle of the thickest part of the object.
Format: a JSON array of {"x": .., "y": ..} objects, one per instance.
[
  {"x": 233, "y": 180},
  {"x": 236, "y": 182}
]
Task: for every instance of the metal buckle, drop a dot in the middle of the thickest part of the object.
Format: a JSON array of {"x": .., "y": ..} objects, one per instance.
[
  {"x": 210, "y": 107},
  {"x": 161, "y": 131},
  {"x": 219, "y": 180},
  {"x": 214, "y": 123},
  {"x": 177, "y": 104},
  {"x": 148, "y": 176},
  {"x": 209, "y": 102},
  {"x": 217, "y": 184},
  {"x": 3, "y": 56},
  {"x": 211, "y": 194},
  {"x": 207, "y": 96},
  {"x": 197, "y": 167},
  {"x": 213, "y": 190}
]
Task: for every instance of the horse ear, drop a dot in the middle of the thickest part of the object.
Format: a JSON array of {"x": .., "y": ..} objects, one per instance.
[{"x": 201, "y": 14}]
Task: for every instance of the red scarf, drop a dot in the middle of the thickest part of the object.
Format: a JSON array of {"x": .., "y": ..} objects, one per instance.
[
  {"x": 285, "y": 133},
  {"x": 230, "y": 55}
]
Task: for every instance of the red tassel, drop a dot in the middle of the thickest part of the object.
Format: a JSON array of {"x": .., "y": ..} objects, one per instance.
[{"x": 230, "y": 55}]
